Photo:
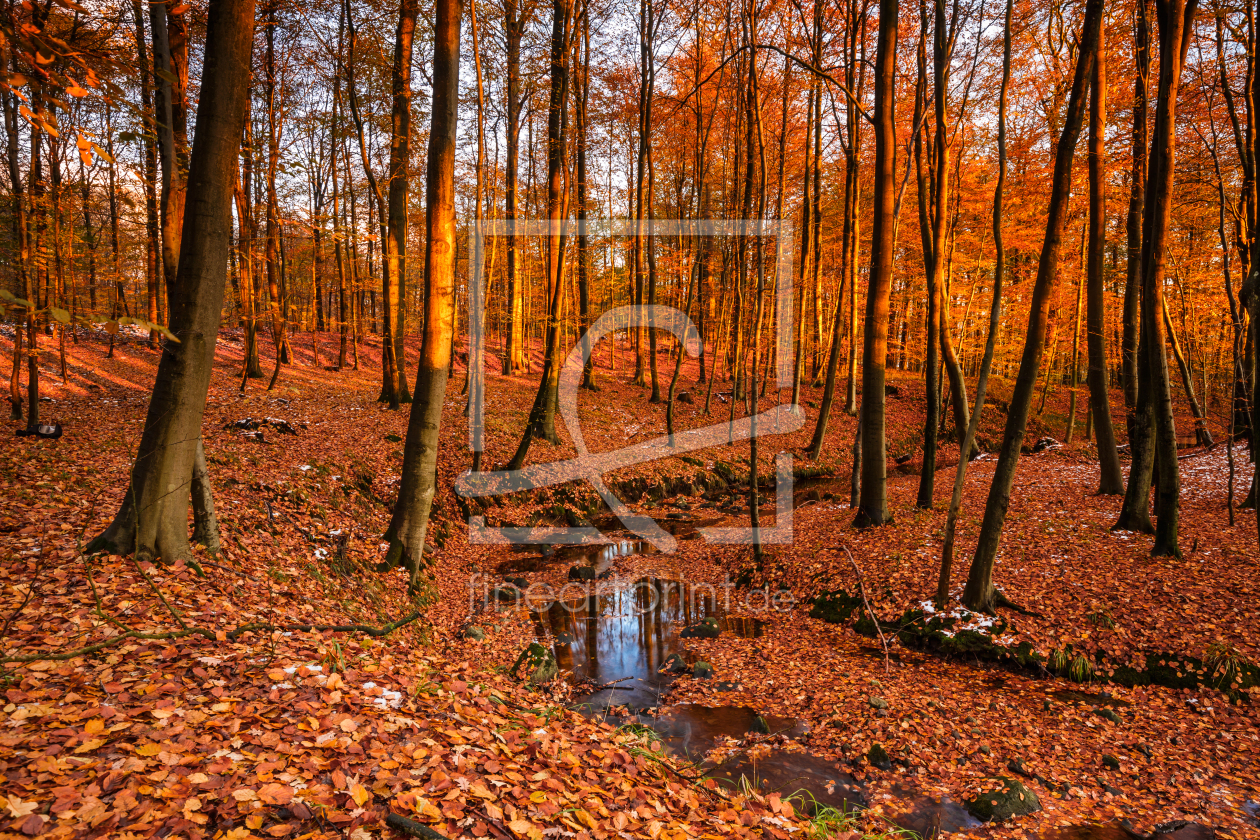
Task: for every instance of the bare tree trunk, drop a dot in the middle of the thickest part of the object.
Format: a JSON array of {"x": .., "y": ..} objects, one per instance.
[
  {"x": 542, "y": 416},
  {"x": 1176, "y": 19},
  {"x": 1110, "y": 478},
  {"x": 995, "y": 318},
  {"x": 873, "y": 501},
  {"x": 515, "y": 360},
  {"x": 410, "y": 521},
  {"x": 980, "y": 593},
  {"x": 153, "y": 517},
  {"x": 395, "y": 247}
]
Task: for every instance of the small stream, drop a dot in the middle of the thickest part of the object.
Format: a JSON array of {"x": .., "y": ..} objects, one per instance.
[{"x": 615, "y": 642}]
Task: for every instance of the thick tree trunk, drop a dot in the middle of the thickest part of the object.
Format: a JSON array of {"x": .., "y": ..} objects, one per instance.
[
  {"x": 153, "y": 517},
  {"x": 873, "y": 501},
  {"x": 410, "y": 521},
  {"x": 980, "y": 593}
]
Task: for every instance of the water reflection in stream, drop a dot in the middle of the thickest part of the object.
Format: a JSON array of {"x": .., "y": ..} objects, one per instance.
[
  {"x": 618, "y": 636},
  {"x": 619, "y": 632}
]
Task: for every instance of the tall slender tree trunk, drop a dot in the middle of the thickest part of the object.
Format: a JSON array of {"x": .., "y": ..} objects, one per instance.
[
  {"x": 410, "y": 521},
  {"x": 995, "y": 320},
  {"x": 542, "y": 416},
  {"x": 1110, "y": 478},
  {"x": 980, "y": 593},
  {"x": 873, "y": 499},
  {"x": 395, "y": 246},
  {"x": 1176, "y": 18},
  {"x": 515, "y": 357}
]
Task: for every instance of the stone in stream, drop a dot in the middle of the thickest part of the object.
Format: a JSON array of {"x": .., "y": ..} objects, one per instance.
[
  {"x": 1011, "y": 799},
  {"x": 673, "y": 664},
  {"x": 539, "y": 664},
  {"x": 707, "y": 629},
  {"x": 702, "y": 671},
  {"x": 505, "y": 592},
  {"x": 582, "y": 573}
]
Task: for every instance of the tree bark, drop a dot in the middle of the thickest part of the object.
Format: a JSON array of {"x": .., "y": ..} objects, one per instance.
[
  {"x": 542, "y": 416},
  {"x": 153, "y": 517},
  {"x": 980, "y": 593},
  {"x": 410, "y": 521},
  {"x": 1110, "y": 479},
  {"x": 995, "y": 320},
  {"x": 873, "y": 501},
  {"x": 1176, "y": 19}
]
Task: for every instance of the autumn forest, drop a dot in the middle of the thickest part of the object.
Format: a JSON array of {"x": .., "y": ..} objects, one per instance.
[{"x": 662, "y": 419}]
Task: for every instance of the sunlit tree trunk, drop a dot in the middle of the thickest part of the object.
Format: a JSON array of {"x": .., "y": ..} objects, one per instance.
[
  {"x": 515, "y": 357},
  {"x": 873, "y": 501},
  {"x": 410, "y": 521}
]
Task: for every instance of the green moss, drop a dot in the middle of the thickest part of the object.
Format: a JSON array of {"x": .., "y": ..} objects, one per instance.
[{"x": 836, "y": 607}]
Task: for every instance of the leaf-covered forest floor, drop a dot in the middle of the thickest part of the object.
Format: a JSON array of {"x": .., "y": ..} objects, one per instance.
[{"x": 286, "y": 732}]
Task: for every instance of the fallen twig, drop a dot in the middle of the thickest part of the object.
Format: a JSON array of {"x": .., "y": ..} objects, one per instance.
[
  {"x": 411, "y": 827},
  {"x": 869, "y": 611}
]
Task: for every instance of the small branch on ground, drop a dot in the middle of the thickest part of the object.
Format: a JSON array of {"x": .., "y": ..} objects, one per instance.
[
  {"x": 869, "y": 611},
  {"x": 412, "y": 828}
]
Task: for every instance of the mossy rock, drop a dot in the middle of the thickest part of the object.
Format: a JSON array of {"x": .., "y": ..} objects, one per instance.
[
  {"x": 673, "y": 664},
  {"x": 707, "y": 629},
  {"x": 835, "y": 607},
  {"x": 702, "y": 671},
  {"x": 878, "y": 757},
  {"x": 506, "y": 593},
  {"x": 582, "y": 573},
  {"x": 1012, "y": 799},
  {"x": 473, "y": 632},
  {"x": 536, "y": 663}
]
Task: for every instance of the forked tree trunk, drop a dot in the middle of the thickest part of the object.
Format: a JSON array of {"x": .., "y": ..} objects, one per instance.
[
  {"x": 980, "y": 593},
  {"x": 410, "y": 521},
  {"x": 873, "y": 500},
  {"x": 152, "y": 520}
]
